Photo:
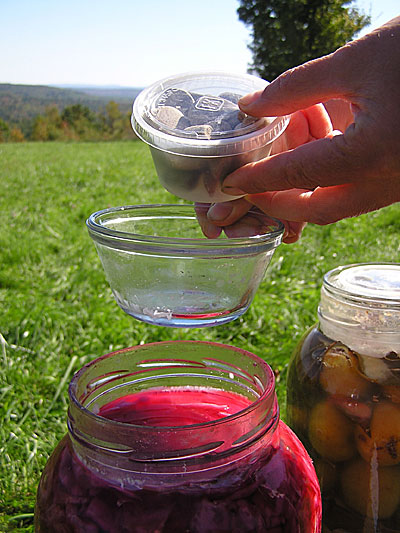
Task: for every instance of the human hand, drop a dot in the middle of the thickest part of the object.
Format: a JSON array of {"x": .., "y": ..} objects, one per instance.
[
  {"x": 335, "y": 176},
  {"x": 304, "y": 126}
]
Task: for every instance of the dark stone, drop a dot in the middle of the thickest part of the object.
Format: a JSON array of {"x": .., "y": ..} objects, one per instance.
[
  {"x": 183, "y": 123},
  {"x": 178, "y": 98},
  {"x": 232, "y": 97},
  {"x": 200, "y": 114}
]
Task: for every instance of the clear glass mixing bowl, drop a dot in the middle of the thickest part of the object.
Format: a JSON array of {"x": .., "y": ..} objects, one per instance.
[{"x": 164, "y": 271}]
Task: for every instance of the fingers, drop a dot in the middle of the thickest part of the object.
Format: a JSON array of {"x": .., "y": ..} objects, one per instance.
[
  {"x": 304, "y": 126},
  {"x": 327, "y": 205},
  {"x": 340, "y": 173},
  {"x": 319, "y": 123},
  {"x": 305, "y": 168},
  {"x": 357, "y": 75},
  {"x": 298, "y": 88},
  {"x": 293, "y": 231},
  {"x": 231, "y": 217},
  {"x": 324, "y": 162},
  {"x": 210, "y": 230},
  {"x": 227, "y": 213},
  {"x": 228, "y": 217},
  {"x": 250, "y": 225}
]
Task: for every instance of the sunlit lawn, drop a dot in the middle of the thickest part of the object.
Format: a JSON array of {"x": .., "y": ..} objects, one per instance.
[{"x": 57, "y": 311}]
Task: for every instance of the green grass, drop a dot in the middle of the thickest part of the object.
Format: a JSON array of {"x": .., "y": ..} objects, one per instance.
[{"x": 57, "y": 311}]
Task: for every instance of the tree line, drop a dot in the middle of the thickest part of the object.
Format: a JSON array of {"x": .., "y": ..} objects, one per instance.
[{"x": 74, "y": 123}]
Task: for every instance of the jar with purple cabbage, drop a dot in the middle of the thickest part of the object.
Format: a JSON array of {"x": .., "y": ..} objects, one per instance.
[{"x": 176, "y": 437}]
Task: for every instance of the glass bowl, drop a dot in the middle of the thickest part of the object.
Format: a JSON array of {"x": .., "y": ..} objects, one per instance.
[
  {"x": 197, "y": 134},
  {"x": 164, "y": 271}
]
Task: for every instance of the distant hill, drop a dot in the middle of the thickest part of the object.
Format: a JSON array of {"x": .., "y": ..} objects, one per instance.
[
  {"x": 19, "y": 104},
  {"x": 121, "y": 95}
]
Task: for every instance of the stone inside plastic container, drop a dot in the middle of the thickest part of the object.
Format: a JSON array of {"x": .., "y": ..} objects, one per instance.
[{"x": 197, "y": 114}]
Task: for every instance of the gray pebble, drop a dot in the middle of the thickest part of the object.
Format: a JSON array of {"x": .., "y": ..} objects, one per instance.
[
  {"x": 232, "y": 97},
  {"x": 247, "y": 121},
  {"x": 201, "y": 114},
  {"x": 197, "y": 116},
  {"x": 183, "y": 123},
  {"x": 220, "y": 125},
  {"x": 178, "y": 98},
  {"x": 234, "y": 117}
]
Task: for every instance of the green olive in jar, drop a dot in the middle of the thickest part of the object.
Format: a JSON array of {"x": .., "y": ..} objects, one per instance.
[
  {"x": 340, "y": 375},
  {"x": 392, "y": 393},
  {"x": 326, "y": 473},
  {"x": 372, "y": 492},
  {"x": 298, "y": 417},
  {"x": 382, "y": 438},
  {"x": 331, "y": 433}
]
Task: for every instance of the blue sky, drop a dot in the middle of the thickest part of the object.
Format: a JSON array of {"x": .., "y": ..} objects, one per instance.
[{"x": 127, "y": 42}]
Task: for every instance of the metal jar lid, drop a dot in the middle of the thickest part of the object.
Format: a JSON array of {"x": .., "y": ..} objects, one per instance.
[{"x": 360, "y": 306}]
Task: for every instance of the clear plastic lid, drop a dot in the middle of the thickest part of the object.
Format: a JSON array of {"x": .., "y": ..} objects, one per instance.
[
  {"x": 198, "y": 114},
  {"x": 360, "y": 306}
]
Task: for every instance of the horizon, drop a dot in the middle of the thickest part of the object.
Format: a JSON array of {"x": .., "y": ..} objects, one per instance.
[
  {"x": 93, "y": 86},
  {"x": 72, "y": 86}
]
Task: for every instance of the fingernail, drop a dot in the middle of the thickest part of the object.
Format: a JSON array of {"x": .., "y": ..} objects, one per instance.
[
  {"x": 248, "y": 99},
  {"x": 218, "y": 212},
  {"x": 211, "y": 231},
  {"x": 233, "y": 191}
]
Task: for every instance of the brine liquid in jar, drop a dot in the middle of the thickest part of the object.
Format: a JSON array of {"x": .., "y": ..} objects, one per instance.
[{"x": 343, "y": 393}]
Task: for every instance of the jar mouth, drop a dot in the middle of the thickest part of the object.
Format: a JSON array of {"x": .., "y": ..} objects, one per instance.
[
  {"x": 369, "y": 283},
  {"x": 360, "y": 306},
  {"x": 116, "y": 377},
  {"x": 81, "y": 397},
  {"x": 175, "y": 228}
]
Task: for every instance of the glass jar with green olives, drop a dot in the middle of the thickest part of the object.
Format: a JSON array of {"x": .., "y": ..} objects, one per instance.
[{"x": 343, "y": 395}]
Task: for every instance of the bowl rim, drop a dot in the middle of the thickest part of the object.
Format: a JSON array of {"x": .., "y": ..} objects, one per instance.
[{"x": 130, "y": 241}]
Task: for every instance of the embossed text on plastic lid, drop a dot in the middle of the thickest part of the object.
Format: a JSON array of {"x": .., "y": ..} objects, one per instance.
[{"x": 197, "y": 114}]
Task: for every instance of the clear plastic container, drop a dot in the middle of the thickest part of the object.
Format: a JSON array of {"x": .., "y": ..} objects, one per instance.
[
  {"x": 164, "y": 271},
  {"x": 197, "y": 134},
  {"x": 343, "y": 393},
  {"x": 177, "y": 437}
]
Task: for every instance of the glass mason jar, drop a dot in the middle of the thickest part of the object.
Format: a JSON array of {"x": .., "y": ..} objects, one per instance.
[
  {"x": 343, "y": 393},
  {"x": 176, "y": 437}
]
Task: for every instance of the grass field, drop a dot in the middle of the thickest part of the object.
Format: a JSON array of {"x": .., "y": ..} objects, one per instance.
[{"x": 57, "y": 311}]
